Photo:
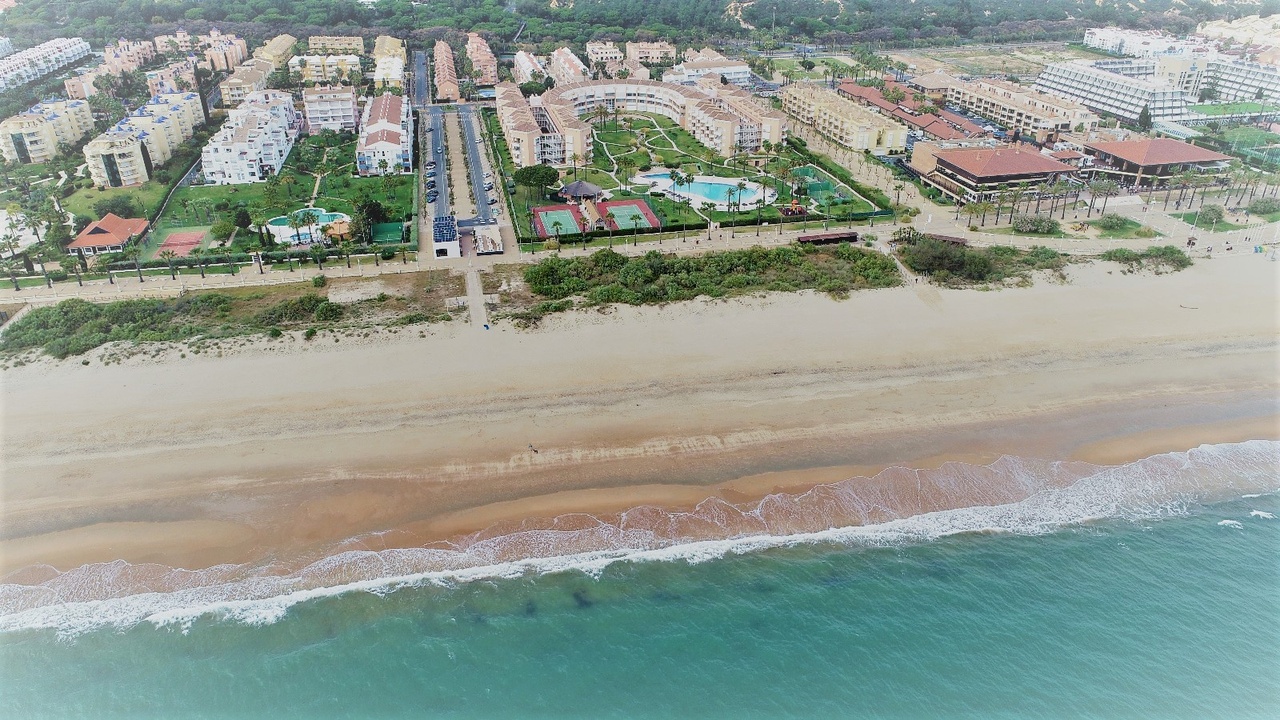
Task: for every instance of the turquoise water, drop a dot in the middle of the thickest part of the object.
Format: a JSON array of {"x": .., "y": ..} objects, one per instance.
[
  {"x": 322, "y": 217},
  {"x": 712, "y": 190},
  {"x": 1175, "y": 614}
]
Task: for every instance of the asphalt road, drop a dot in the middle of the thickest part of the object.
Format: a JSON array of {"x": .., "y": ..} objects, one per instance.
[
  {"x": 475, "y": 152},
  {"x": 421, "y": 83},
  {"x": 434, "y": 150}
]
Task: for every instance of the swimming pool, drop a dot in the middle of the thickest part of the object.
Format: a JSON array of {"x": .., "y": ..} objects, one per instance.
[
  {"x": 282, "y": 233},
  {"x": 705, "y": 188}
]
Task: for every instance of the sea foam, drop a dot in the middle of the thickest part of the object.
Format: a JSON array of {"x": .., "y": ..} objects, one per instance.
[{"x": 899, "y": 505}]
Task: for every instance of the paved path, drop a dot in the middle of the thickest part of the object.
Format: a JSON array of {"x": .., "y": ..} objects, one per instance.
[{"x": 475, "y": 301}]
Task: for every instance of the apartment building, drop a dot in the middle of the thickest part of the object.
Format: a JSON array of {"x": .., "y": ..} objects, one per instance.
[
  {"x": 651, "y": 52},
  {"x": 22, "y": 67},
  {"x": 277, "y": 51},
  {"x": 386, "y": 137},
  {"x": 1236, "y": 80},
  {"x": 179, "y": 76},
  {"x": 6, "y": 47},
  {"x": 566, "y": 67},
  {"x": 247, "y": 78},
  {"x": 388, "y": 72},
  {"x": 1026, "y": 111},
  {"x": 335, "y": 45},
  {"x": 117, "y": 58},
  {"x": 548, "y": 128},
  {"x": 527, "y": 68},
  {"x": 976, "y": 174},
  {"x": 844, "y": 121},
  {"x": 33, "y": 136},
  {"x": 330, "y": 108},
  {"x": 603, "y": 52},
  {"x": 223, "y": 52},
  {"x": 253, "y": 143},
  {"x": 146, "y": 138},
  {"x": 483, "y": 64},
  {"x": 707, "y": 62},
  {"x": 324, "y": 68},
  {"x": 446, "y": 75},
  {"x": 1103, "y": 87},
  {"x": 1139, "y": 43},
  {"x": 624, "y": 69},
  {"x": 387, "y": 46}
]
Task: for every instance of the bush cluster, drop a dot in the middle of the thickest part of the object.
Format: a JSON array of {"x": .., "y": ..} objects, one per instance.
[
  {"x": 1264, "y": 206},
  {"x": 609, "y": 277},
  {"x": 1036, "y": 224},
  {"x": 1111, "y": 222},
  {"x": 951, "y": 263},
  {"x": 1162, "y": 257}
]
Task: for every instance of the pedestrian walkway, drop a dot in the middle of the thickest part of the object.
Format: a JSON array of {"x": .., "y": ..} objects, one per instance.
[{"x": 475, "y": 301}]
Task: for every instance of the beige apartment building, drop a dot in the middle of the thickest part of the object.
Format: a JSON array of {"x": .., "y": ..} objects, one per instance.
[
  {"x": 387, "y": 46},
  {"x": 249, "y": 77},
  {"x": 146, "y": 138},
  {"x": 603, "y": 52},
  {"x": 1016, "y": 108},
  {"x": 483, "y": 63},
  {"x": 842, "y": 120},
  {"x": 178, "y": 76},
  {"x": 651, "y": 52},
  {"x": 221, "y": 51},
  {"x": 324, "y": 68},
  {"x": 335, "y": 45},
  {"x": 117, "y": 58},
  {"x": 566, "y": 67},
  {"x": 548, "y": 128},
  {"x": 33, "y": 136},
  {"x": 277, "y": 51},
  {"x": 446, "y": 74}
]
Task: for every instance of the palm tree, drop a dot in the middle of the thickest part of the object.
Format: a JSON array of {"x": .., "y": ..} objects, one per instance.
[
  {"x": 198, "y": 254},
  {"x": 347, "y": 247},
  {"x": 973, "y": 210},
  {"x": 759, "y": 211},
  {"x": 295, "y": 224},
  {"x": 609, "y": 220},
  {"x": 135, "y": 254},
  {"x": 288, "y": 181},
  {"x": 556, "y": 227},
  {"x": 707, "y": 207},
  {"x": 574, "y": 159},
  {"x": 308, "y": 219},
  {"x": 259, "y": 219},
  {"x": 168, "y": 256}
]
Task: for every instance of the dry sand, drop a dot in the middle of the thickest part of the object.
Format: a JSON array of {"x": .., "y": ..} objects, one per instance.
[{"x": 280, "y": 453}]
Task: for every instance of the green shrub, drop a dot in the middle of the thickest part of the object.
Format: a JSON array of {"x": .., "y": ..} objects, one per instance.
[
  {"x": 1122, "y": 255},
  {"x": 275, "y": 332},
  {"x": 319, "y": 281},
  {"x": 1111, "y": 222},
  {"x": 328, "y": 311},
  {"x": 1264, "y": 206},
  {"x": 310, "y": 333},
  {"x": 413, "y": 318},
  {"x": 1036, "y": 224}
]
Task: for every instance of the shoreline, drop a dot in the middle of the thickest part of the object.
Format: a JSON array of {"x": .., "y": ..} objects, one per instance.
[{"x": 276, "y": 458}]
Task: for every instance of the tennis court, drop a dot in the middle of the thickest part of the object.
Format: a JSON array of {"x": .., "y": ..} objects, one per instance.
[
  {"x": 388, "y": 232},
  {"x": 545, "y": 219},
  {"x": 181, "y": 243},
  {"x": 630, "y": 214}
]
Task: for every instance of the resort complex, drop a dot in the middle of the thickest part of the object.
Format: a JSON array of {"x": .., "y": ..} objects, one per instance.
[{"x": 253, "y": 143}]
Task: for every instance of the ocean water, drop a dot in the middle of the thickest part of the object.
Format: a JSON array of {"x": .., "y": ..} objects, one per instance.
[{"x": 1146, "y": 591}]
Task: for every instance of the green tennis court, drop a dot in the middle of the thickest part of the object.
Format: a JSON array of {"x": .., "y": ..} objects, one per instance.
[
  {"x": 557, "y": 220},
  {"x": 388, "y": 232},
  {"x": 628, "y": 215}
]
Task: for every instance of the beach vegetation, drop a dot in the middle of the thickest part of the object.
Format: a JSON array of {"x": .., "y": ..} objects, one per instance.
[
  {"x": 954, "y": 264},
  {"x": 607, "y": 277},
  {"x": 1162, "y": 258}
]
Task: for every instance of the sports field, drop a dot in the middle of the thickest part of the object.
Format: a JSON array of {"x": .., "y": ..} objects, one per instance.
[
  {"x": 546, "y": 217},
  {"x": 629, "y": 214},
  {"x": 182, "y": 243}
]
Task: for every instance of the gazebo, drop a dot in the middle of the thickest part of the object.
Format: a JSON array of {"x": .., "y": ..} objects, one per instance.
[{"x": 580, "y": 189}]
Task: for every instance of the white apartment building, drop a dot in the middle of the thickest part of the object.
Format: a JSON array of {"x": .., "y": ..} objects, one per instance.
[
  {"x": 388, "y": 72},
  {"x": 6, "y": 47},
  {"x": 706, "y": 61},
  {"x": 1102, "y": 88},
  {"x": 566, "y": 67},
  {"x": 599, "y": 51},
  {"x": 324, "y": 68},
  {"x": 386, "y": 137},
  {"x": 254, "y": 142},
  {"x": 650, "y": 52},
  {"x": 330, "y": 108},
  {"x": 22, "y": 67},
  {"x": 1139, "y": 43},
  {"x": 527, "y": 68},
  {"x": 1012, "y": 106},
  {"x": 33, "y": 136},
  {"x": 1238, "y": 80}
]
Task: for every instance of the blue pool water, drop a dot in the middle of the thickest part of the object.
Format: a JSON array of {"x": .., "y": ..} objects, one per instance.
[{"x": 716, "y": 191}]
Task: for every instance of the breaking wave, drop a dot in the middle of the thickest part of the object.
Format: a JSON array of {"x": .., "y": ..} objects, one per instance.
[{"x": 898, "y": 505}]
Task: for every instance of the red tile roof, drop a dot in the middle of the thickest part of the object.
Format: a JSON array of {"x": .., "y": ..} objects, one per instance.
[
  {"x": 1156, "y": 151},
  {"x": 110, "y": 230},
  {"x": 1001, "y": 162},
  {"x": 1066, "y": 155}
]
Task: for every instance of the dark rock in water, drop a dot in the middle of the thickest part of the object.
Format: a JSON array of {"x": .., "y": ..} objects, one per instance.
[
  {"x": 580, "y": 597},
  {"x": 530, "y": 609},
  {"x": 665, "y": 596}
]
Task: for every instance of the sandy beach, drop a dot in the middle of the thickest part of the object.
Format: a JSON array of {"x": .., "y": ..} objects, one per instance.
[{"x": 281, "y": 451}]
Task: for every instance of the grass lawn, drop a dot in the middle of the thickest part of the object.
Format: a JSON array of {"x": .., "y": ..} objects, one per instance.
[
  {"x": 148, "y": 195},
  {"x": 1232, "y": 108},
  {"x": 1128, "y": 230},
  {"x": 337, "y": 194},
  {"x": 1192, "y": 218}
]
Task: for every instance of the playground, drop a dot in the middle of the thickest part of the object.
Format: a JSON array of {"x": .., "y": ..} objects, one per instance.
[
  {"x": 629, "y": 214},
  {"x": 552, "y": 220}
]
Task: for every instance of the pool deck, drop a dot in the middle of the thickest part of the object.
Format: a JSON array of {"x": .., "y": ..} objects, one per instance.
[{"x": 664, "y": 184}]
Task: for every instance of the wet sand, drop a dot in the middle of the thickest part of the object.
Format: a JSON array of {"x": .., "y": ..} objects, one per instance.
[{"x": 283, "y": 451}]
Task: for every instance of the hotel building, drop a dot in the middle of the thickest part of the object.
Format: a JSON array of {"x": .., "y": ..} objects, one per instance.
[
  {"x": 706, "y": 61},
  {"x": 248, "y": 78},
  {"x": 146, "y": 138},
  {"x": 650, "y": 52},
  {"x": 483, "y": 64},
  {"x": 277, "y": 51},
  {"x": 386, "y": 135},
  {"x": 566, "y": 67},
  {"x": 603, "y": 52},
  {"x": 844, "y": 121},
  {"x": 330, "y": 108},
  {"x": 1104, "y": 87}
]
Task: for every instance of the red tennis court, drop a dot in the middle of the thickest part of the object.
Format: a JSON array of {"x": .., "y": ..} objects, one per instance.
[{"x": 182, "y": 243}]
